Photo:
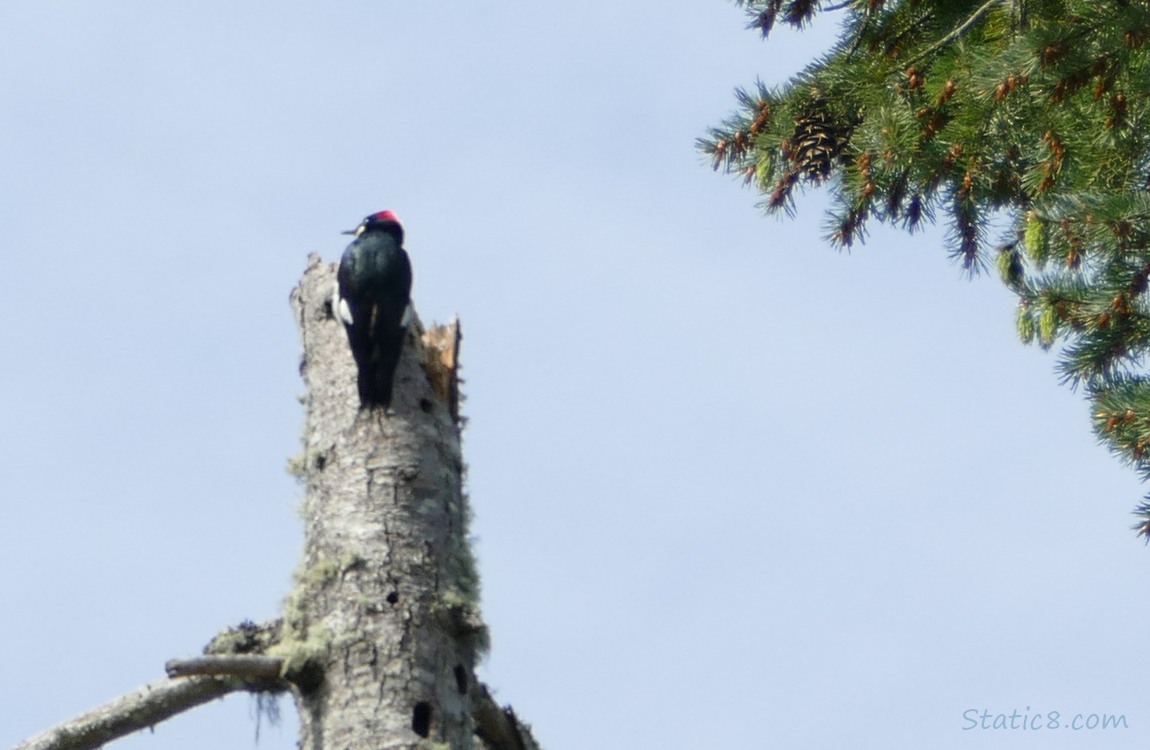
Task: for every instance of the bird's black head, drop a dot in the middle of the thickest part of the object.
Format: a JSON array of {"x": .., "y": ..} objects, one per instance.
[{"x": 382, "y": 221}]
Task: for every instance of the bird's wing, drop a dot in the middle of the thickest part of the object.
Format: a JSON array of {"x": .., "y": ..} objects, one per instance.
[{"x": 345, "y": 287}]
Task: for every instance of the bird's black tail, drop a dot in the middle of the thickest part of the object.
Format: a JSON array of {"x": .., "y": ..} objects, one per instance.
[
  {"x": 375, "y": 385},
  {"x": 377, "y": 376}
]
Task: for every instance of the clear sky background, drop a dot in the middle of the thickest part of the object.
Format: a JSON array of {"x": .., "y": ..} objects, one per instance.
[{"x": 731, "y": 488}]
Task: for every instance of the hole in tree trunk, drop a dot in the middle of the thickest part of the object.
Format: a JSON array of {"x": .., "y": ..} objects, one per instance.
[
  {"x": 393, "y": 597},
  {"x": 460, "y": 679},
  {"x": 421, "y": 719}
]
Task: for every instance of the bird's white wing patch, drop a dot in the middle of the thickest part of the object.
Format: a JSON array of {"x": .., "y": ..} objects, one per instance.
[
  {"x": 342, "y": 311},
  {"x": 345, "y": 312},
  {"x": 408, "y": 314}
]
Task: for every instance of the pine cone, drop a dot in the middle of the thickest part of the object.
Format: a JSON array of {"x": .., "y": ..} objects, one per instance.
[{"x": 815, "y": 142}]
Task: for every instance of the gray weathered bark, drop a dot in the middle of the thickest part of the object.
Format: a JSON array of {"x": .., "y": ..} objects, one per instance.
[{"x": 383, "y": 629}]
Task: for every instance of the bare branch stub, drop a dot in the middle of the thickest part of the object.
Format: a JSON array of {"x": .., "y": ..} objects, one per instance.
[{"x": 244, "y": 666}]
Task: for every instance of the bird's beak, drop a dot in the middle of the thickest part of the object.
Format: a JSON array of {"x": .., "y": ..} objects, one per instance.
[{"x": 349, "y": 231}]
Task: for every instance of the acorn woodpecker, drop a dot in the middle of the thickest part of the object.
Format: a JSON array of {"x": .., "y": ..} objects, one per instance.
[{"x": 373, "y": 301}]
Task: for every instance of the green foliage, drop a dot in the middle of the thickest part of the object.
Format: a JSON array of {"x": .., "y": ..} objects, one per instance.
[{"x": 1036, "y": 110}]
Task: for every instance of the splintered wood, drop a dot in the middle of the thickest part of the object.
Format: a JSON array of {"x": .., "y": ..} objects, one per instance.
[{"x": 441, "y": 351}]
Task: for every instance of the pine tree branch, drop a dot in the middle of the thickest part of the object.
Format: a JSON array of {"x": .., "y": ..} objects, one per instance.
[
  {"x": 129, "y": 713},
  {"x": 956, "y": 34},
  {"x": 1037, "y": 120}
]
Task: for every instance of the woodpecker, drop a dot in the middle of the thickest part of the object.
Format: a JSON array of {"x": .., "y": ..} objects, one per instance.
[{"x": 373, "y": 300}]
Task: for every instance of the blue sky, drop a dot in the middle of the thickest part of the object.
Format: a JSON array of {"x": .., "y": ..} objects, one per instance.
[{"x": 730, "y": 486}]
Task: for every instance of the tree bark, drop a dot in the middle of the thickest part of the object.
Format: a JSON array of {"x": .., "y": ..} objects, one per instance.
[{"x": 382, "y": 632}]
